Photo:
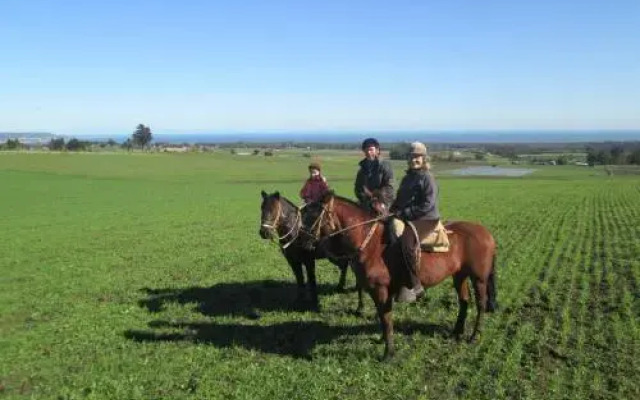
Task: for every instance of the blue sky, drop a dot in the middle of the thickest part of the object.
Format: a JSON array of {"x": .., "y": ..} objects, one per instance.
[{"x": 74, "y": 67}]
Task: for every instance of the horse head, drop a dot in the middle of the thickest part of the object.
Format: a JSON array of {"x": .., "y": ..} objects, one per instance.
[
  {"x": 338, "y": 218},
  {"x": 271, "y": 215},
  {"x": 376, "y": 201},
  {"x": 318, "y": 221}
]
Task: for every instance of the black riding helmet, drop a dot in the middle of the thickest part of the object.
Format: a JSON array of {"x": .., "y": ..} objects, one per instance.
[{"x": 370, "y": 142}]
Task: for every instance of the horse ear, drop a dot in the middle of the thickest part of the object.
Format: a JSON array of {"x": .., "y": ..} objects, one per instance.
[
  {"x": 264, "y": 195},
  {"x": 276, "y": 195}
]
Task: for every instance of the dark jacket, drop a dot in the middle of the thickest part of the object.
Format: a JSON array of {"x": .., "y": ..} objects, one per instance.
[
  {"x": 374, "y": 175},
  {"x": 314, "y": 188},
  {"x": 417, "y": 197}
]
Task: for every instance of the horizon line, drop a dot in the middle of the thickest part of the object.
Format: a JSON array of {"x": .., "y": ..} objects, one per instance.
[{"x": 165, "y": 131}]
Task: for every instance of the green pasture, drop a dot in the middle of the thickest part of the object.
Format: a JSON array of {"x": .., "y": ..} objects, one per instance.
[{"x": 142, "y": 276}]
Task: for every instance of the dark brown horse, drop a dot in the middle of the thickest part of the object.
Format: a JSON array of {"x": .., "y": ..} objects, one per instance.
[
  {"x": 282, "y": 220},
  {"x": 379, "y": 269}
]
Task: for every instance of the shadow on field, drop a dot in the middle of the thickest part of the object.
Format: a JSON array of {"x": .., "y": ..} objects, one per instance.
[
  {"x": 294, "y": 339},
  {"x": 232, "y": 298}
]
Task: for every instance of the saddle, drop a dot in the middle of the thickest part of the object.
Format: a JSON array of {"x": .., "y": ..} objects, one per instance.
[{"x": 432, "y": 235}]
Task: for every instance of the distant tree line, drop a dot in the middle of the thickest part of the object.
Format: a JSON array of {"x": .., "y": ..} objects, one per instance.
[
  {"x": 399, "y": 151},
  {"x": 11, "y": 144},
  {"x": 607, "y": 153},
  {"x": 140, "y": 138},
  {"x": 623, "y": 153},
  {"x": 287, "y": 145}
]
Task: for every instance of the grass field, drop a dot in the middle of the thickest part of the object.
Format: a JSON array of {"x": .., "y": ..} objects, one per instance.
[{"x": 142, "y": 276}]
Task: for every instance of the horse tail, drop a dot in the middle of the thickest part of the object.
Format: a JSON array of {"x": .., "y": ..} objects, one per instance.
[{"x": 492, "y": 303}]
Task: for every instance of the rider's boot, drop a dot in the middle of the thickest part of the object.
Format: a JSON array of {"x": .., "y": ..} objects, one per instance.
[{"x": 413, "y": 289}]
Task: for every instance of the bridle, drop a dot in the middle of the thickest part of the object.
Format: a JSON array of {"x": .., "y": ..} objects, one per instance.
[{"x": 273, "y": 226}]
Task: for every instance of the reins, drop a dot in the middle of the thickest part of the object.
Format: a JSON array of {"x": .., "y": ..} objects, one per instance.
[
  {"x": 357, "y": 225},
  {"x": 296, "y": 224},
  {"x": 367, "y": 239}
]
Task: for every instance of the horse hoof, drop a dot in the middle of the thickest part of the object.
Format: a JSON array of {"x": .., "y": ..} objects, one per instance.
[
  {"x": 473, "y": 339},
  {"x": 253, "y": 314},
  {"x": 388, "y": 357}
]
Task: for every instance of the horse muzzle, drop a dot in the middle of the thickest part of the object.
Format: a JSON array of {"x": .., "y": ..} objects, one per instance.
[{"x": 266, "y": 232}]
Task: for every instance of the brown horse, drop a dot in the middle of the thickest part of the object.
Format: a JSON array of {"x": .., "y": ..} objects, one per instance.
[
  {"x": 379, "y": 269},
  {"x": 282, "y": 220}
]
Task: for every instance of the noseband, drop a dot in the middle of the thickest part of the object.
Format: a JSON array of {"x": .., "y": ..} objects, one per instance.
[{"x": 273, "y": 225}]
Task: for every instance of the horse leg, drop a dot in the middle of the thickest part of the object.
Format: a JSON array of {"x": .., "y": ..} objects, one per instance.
[
  {"x": 360, "y": 309},
  {"x": 342, "y": 283},
  {"x": 461, "y": 284},
  {"x": 310, "y": 265},
  {"x": 359, "y": 286},
  {"x": 480, "y": 289},
  {"x": 384, "y": 304},
  {"x": 492, "y": 303},
  {"x": 296, "y": 267}
]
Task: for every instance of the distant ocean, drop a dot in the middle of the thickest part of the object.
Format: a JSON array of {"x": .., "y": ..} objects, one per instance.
[{"x": 357, "y": 137}]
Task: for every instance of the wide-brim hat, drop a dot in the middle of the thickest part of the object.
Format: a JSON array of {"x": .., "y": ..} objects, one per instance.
[{"x": 418, "y": 149}]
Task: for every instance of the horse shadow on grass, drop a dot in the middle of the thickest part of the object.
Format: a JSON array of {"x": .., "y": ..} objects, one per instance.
[
  {"x": 295, "y": 339},
  {"x": 246, "y": 299}
]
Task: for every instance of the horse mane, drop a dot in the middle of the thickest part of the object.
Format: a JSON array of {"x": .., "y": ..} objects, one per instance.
[
  {"x": 286, "y": 200},
  {"x": 291, "y": 203},
  {"x": 346, "y": 200},
  {"x": 352, "y": 203}
]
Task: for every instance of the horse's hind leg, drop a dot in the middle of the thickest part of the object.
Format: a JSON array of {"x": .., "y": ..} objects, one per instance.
[
  {"x": 461, "y": 284},
  {"x": 480, "y": 289}
]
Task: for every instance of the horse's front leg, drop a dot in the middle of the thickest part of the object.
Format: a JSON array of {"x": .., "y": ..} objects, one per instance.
[
  {"x": 361, "y": 283},
  {"x": 310, "y": 265},
  {"x": 342, "y": 283},
  {"x": 384, "y": 305},
  {"x": 296, "y": 267},
  {"x": 360, "y": 309}
]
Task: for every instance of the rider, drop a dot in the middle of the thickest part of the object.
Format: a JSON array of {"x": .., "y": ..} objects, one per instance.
[
  {"x": 416, "y": 201},
  {"x": 374, "y": 174},
  {"x": 316, "y": 186}
]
